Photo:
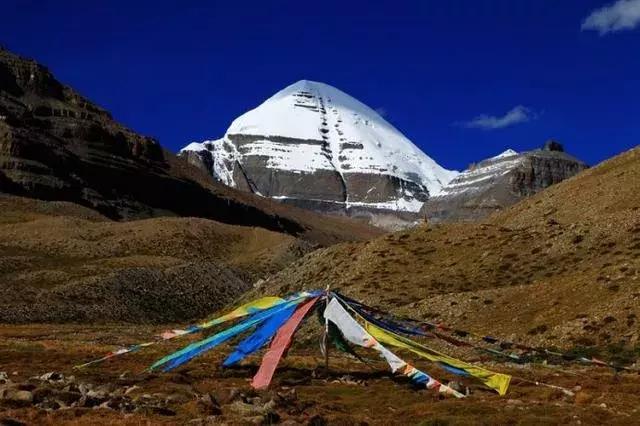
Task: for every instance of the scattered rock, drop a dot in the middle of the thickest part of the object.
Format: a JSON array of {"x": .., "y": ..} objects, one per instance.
[
  {"x": 583, "y": 398},
  {"x": 178, "y": 398},
  {"x": 255, "y": 420},
  {"x": 210, "y": 420},
  {"x": 286, "y": 398},
  {"x": 6, "y": 421},
  {"x": 52, "y": 377},
  {"x": 83, "y": 388},
  {"x": 271, "y": 418},
  {"x": 349, "y": 380},
  {"x": 41, "y": 394},
  {"x": 131, "y": 389},
  {"x": 207, "y": 404},
  {"x": 54, "y": 391},
  {"x": 94, "y": 398},
  {"x": 249, "y": 410},
  {"x": 68, "y": 398},
  {"x": 317, "y": 420},
  {"x": 456, "y": 386},
  {"x": 50, "y": 404},
  {"x": 19, "y": 397},
  {"x": 227, "y": 396}
]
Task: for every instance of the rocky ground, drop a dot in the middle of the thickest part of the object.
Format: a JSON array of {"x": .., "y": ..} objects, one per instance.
[{"x": 38, "y": 385}]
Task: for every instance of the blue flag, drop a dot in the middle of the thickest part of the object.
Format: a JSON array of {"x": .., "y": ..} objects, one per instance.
[
  {"x": 188, "y": 353},
  {"x": 260, "y": 337}
]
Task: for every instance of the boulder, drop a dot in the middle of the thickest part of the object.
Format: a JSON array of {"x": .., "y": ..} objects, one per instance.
[{"x": 21, "y": 398}]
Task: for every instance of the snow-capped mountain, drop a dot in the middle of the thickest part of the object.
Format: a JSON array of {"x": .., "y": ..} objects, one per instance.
[
  {"x": 501, "y": 181},
  {"x": 317, "y": 147}
]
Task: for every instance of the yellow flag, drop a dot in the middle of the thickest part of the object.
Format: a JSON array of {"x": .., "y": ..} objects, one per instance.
[
  {"x": 246, "y": 309},
  {"x": 497, "y": 381}
]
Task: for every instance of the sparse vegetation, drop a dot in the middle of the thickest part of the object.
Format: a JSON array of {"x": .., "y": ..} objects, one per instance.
[{"x": 554, "y": 274}]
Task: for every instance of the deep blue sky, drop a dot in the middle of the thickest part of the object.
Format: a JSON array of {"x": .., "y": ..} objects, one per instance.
[{"x": 182, "y": 71}]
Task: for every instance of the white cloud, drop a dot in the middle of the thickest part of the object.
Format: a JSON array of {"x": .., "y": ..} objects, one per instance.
[
  {"x": 519, "y": 114},
  {"x": 618, "y": 16}
]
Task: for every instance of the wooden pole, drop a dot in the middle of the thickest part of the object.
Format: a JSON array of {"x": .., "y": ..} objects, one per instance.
[{"x": 326, "y": 347}]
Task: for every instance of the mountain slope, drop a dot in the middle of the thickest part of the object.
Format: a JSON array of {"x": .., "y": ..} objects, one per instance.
[
  {"x": 314, "y": 146},
  {"x": 606, "y": 195},
  {"x": 63, "y": 262},
  {"x": 57, "y": 145},
  {"x": 561, "y": 267},
  {"x": 500, "y": 181}
]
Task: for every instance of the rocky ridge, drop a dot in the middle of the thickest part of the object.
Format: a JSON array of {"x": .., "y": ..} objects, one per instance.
[{"x": 501, "y": 181}]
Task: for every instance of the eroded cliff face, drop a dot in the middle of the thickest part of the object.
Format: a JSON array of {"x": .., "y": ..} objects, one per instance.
[
  {"x": 501, "y": 181},
  {"x": 57, "y": 145}
]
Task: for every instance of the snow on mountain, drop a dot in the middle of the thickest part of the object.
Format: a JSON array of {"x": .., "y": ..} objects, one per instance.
[
  {"x": 508, "y": 153},
  {"x": 310, "y": 110},
  {"x": 225, "y": 153},
  {"x": 356, "y": 158}
]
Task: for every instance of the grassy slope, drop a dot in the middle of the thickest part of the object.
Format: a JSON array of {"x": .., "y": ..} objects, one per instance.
[
  {"x": 76, "y": 240},
  {"x": 562, "y": 267},
  {"x": 56, "y": 257}
]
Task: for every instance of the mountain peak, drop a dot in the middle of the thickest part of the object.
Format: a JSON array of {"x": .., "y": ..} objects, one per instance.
[
  {"x": 508, "y": 153},
  {"x": 313, "y": 144}
]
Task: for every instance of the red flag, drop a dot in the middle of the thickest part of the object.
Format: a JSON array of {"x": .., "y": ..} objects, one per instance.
[{"x": 279, "y": 346}]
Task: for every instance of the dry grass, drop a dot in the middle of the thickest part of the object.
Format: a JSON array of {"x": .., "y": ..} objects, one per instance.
[
  {"x": 35, "y": 349},
  {"x": 61, "y": 262},
  {"x": 71, "y": 239},
  {"x": 565, "y": 263}
]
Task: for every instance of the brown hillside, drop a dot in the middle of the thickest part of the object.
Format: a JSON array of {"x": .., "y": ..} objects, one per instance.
[
  {"x": 561, "y": 268},
  {"x": 61, "y": 261}
]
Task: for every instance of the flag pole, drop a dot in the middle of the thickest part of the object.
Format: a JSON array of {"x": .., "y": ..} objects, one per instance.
[{"x": 325, "y": 337}]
